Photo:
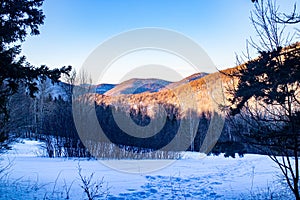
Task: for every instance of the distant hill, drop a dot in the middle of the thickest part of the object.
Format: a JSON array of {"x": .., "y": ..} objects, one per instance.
[
  {"x": 102, "y": 88},
  {"x": 196, "y": 92},
  {"x": 188, "y": 79},
  {"x": 137, "y": 86}
]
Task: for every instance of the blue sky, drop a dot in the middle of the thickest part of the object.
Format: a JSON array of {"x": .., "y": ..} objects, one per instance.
[{"x": 74, "y": 28}]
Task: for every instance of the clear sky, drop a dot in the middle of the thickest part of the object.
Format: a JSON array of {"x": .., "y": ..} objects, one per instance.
[{"x": 74, "y": 28}]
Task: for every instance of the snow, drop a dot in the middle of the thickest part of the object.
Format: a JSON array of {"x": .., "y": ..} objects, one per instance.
[
  {"x": 56, "y": 90},
  {"x": 195, "y": 176}
]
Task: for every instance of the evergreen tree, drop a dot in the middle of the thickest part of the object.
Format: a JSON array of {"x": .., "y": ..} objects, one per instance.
[{"x": 19, "y": 18}]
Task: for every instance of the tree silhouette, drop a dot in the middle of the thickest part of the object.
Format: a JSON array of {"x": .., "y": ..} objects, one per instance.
[
  {"x": 18, "y": 18},
  {"x": 266, "y": 98},
  {"x": 292, "y": 18}
]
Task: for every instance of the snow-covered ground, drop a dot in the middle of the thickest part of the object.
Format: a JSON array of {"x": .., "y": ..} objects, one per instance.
[{"x": 33, "y": 176}]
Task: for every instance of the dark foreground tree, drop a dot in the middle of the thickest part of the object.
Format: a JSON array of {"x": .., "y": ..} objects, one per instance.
[
  {"x": 265, "y": 102},
  {"x": 18, "y": 18}
]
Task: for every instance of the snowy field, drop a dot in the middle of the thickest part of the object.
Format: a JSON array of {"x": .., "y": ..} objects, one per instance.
[{"x": 33, "y": 176}]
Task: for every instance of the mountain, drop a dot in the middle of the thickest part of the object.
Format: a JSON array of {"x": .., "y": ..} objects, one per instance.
[
  {"x": 137, "y": 86},
  {"x": 102, "y": 88},
  {"x": 195, "y": 92},
  {"x": 188, "y": 79}
]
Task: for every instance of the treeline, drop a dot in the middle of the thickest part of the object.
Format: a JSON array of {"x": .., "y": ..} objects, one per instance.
[
  {"x": 50, "y": 119},
  {"x": 47, "y": 118}
]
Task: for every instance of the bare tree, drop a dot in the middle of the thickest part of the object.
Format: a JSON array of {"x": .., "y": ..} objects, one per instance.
[
  {"x": 92, "y": 189},
  {"x": 292, "y": 18},
  {"x": 69, "y": 83}
]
